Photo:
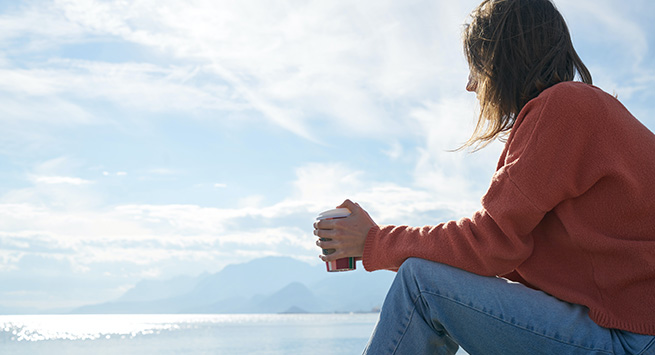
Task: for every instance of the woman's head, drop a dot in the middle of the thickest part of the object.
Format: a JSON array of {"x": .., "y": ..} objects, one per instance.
[{"x": 515, "y": 50}]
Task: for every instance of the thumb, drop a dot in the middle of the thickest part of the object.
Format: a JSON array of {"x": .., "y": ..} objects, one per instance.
[{"x": 351, "y": 206}]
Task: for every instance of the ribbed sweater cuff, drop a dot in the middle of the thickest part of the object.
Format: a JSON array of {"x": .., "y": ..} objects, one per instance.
[{"x": 367, "y": 257}]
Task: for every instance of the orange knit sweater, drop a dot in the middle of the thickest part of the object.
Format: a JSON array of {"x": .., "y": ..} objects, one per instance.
[{"x": 570, "y": 211}]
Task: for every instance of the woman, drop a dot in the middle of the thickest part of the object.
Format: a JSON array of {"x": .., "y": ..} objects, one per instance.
[{"x": 568, "y": 221}]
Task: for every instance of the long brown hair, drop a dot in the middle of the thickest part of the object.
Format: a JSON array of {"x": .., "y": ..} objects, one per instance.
[{"x": 515, "y": 50}]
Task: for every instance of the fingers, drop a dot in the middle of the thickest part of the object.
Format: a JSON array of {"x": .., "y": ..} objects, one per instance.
[
  {"x": 330, "y": 250},
  {"x": 334, "y": 249},
  {"x": 325, "y": 224},
  {"x": 324, "y": 243},
  {"x": 333, "y": 256},
  {"x": 325, "y": 233},
  {"x": 336, "y": 254}
]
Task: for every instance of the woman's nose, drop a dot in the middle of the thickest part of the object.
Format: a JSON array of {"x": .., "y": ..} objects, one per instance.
[{"x": 472, "y": 84}]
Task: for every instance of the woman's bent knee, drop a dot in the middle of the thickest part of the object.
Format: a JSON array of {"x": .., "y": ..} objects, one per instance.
[
  {"x": 417, "y": 267},
  {"x": 438, "y": 278}
]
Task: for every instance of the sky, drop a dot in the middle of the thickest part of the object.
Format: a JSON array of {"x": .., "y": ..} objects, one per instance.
[{"x": 147, "y": 139}]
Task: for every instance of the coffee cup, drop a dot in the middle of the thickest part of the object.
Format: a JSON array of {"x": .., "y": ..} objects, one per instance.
[{"x": 343, "y": 264}]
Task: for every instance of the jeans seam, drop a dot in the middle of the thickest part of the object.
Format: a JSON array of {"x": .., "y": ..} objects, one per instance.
[
  {"x": 409, "y": 320},
  {"x": 647, "y": 347},
  {"x": 509, "y": 323}
]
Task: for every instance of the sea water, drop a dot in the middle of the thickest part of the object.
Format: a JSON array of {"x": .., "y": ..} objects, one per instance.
[
  {"x": 186, "y": 334},
  {"x": 233, "y": 334}
]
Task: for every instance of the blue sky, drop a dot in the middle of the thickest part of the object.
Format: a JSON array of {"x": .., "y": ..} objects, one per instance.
[{"x": 147, "y": 139}]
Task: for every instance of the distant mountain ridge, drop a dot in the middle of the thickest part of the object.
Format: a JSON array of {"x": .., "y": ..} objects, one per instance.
[
  {"x": 148, "y": 290},
  {"x": 266, "y": 285}
]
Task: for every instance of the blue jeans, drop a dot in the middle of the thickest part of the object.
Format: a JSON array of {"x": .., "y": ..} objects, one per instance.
[{"x": 434, "y": 308}]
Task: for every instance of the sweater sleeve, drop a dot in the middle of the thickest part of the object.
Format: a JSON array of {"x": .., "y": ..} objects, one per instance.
[
  {"x": 474, "y": 244},
  {"x": 538, "y": 169}
]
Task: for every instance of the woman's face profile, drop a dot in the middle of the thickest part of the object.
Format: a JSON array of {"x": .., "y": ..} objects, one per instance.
[{"x": 472, "y": 84}]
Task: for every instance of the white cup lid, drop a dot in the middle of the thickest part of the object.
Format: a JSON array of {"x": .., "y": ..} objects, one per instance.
[{"x": 334, "y": 213}]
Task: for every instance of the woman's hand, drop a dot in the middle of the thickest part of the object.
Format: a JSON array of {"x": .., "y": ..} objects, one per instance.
[{"x": 347, "y": 235}]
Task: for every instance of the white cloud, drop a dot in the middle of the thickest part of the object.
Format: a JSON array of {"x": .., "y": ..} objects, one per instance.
[
  {"x": 291, "y": 62},
  {"x": 606, "y": 22},
  {"x": 8, "y": 260},
  {"x": 64, "y": 83},
  {"x": 395, "y": 151},
  {"x": 322, "y": 186},
  {"x": 623, "y": 34},
  {"x": 294, "y": 63},
  {"x": 60, "y": 180},
  {"x": 149, "y": 234},
  {"x": 162, "y": 171},
  {"x": 38, "y": 22},
  {"x": 18, "y": 111}
]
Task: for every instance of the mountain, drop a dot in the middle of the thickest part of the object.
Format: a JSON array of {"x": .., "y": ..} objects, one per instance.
[
  {"x": 266, "y": 285},
  {"x": 149, "y": 290},
  {"x": 293, "y": 298},
  {"x": 18, "y": 310},
  {"x": 259, "y": 276}
]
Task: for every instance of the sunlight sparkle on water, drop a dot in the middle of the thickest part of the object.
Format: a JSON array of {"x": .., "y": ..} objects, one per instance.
[{"x": 93, "y": 326}]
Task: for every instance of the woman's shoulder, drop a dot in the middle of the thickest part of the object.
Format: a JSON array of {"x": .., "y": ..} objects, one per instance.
[
  {"x": 573, "y": 90},
  {"x": 571, "y": 106},
  {"x": 583, "y": 109},
  {"x": 566, "y": 96},
  {"x": 569, "y": 99}
]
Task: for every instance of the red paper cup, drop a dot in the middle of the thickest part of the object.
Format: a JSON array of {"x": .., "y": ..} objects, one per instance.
[{"x": 343, "y": 264}]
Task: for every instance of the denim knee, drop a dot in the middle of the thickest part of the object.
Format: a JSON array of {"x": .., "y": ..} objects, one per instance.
[
  {"x": 413, "y": 264},
  {"x": 421, "y": 276},
  {"x": 419, "y": 269},
  {"x": 412, "y": 269},
  {"x": 410, "y": 264}
]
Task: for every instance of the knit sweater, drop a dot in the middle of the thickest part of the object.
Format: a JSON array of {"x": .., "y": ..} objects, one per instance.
[{"x": 570, "y": 211}]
